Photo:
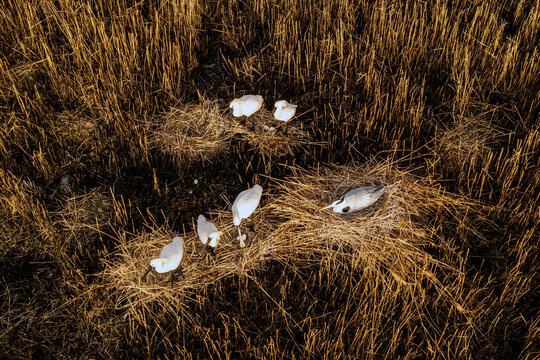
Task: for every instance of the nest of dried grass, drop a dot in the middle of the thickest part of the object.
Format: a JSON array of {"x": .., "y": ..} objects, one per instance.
[
  {"x": 394, "y": 245},
  {"x": 271, "y": 137},
  {"x": 193, "y": 132},
  {"x": 200, "y": 132}
]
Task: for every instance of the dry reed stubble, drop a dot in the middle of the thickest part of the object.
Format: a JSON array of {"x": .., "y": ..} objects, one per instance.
[{"x": 383, "y": 76}]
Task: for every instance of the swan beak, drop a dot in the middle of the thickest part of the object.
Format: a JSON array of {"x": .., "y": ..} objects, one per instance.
[{"x": 326, "y": 207}]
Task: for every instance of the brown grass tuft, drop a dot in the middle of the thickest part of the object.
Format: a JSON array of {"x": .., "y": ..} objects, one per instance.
[
  {"x": 468, "y": 142},
  {"x": 193, "y": 133}
]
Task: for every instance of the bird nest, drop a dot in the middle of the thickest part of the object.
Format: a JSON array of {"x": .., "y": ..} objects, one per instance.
[
  {"x": 272, "y": 137},
  {"x": 125, "y": 269},
  {"x": 394, "y": 242},
  {"x": 193, "y": 132},
  {"x": 200, "y": 132}
]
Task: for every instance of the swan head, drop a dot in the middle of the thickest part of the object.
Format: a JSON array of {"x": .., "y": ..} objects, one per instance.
[
  {"x": 279, "y": 104},
  {"x": 157, "y": 263},
  {"x": 236, "y": 218},
  {"x": 338, "y": 206},
  {"x": 235, "y": 105},
  {"x": 214, "y": 237}
]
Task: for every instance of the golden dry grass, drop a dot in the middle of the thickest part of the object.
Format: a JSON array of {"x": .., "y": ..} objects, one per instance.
[{"x": 439, "y": 101}]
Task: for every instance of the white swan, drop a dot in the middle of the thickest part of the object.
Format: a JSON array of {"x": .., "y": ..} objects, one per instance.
[
  {"x": 208, "y": 233},
  {"x": 169, "y": 257},
  {"x": 357, "y": 199},
  {"x": 284, "y": 111},
  {"x": 246, "y": 106},
  {"x": 245, "y": 204}
]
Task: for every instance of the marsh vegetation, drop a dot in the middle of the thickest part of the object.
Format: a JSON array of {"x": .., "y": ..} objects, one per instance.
[{"x": 110, "y": 110}]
